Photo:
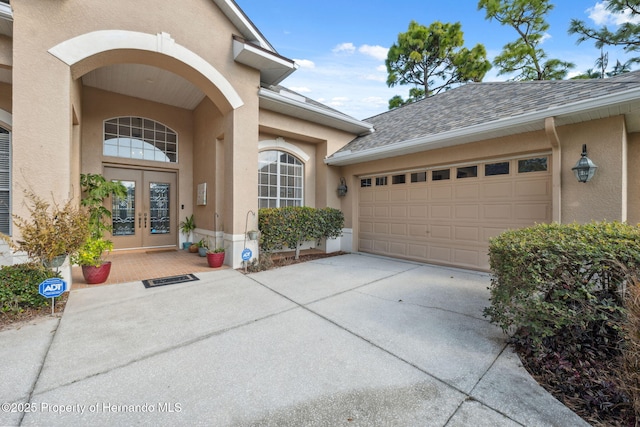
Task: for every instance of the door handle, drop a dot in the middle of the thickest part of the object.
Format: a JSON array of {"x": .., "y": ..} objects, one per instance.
[
  {"x": 145, "y": 220},
  {"x": 139, "y": 220}
]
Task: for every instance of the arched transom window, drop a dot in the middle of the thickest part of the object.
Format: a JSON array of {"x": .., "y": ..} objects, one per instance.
[
  {"x": 140, "y": 138},
  {"x": 280, "y": 180}
]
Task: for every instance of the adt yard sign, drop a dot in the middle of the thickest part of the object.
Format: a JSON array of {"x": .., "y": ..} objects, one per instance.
[
  {"x": 246, "y": 254},
  {"x": 52, "y": 287}
]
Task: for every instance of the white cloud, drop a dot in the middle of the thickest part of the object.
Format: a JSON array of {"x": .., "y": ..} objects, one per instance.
[
  {"x": 382, "y": 68},
  {"x": 375, "y": 77},
  {"x": 545, "y": 37},
  {"x": 377, "y": 52},
  {"x": 305, "y": 63},
  {"x": 601, "y": 16},
  {"x": 344, "y": 48}
]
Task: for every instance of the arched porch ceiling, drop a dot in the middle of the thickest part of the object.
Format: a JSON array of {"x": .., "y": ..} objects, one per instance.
[{"x": 147, "y": 66}]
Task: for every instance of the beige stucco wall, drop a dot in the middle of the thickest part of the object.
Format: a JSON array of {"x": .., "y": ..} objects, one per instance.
[
  {"x": 6, "y": 97},
  {"x": 319, "y": 142},
  {"x": 605, "y": 196},
  {"x": 6, "y": 52},
  {"x": 207, "y": 161},
  {"x": 46, "y": 126}
]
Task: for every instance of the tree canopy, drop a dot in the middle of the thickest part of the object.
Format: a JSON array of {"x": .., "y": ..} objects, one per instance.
[
  {"x": 433, "y": 59},
  {"x": 524, "y": 56},
  {"x": 627, "y": 35}
]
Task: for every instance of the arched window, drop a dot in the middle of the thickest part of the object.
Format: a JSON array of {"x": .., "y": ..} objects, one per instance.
[
  {"x": 139, "y": 138},
  {"x": 280, "y": 180}
]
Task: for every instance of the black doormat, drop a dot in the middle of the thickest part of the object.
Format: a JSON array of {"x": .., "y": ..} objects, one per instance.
[{"x": 162, "y": 281}]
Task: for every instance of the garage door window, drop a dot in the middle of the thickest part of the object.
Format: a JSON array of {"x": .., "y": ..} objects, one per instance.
[
  {"x": 440, "y": 175},
  {"x": 537, "y": 164},
  {"x": 492, "y": 169},
  {"x": 365, "y": 182},
  {"x": 280, "y": 180},
  {"x": 381, "y": 180},
  {"x": 467, "y": 172},
  {"x": 419, "y": 177}
]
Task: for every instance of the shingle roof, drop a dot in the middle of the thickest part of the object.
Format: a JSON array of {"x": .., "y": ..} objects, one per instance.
[{"x": 479, "y": 103}]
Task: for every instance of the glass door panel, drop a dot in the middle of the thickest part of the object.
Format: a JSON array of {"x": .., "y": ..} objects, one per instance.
[
  {"x": 159, "y": 207},
  {"x": 123, "y": 212}
]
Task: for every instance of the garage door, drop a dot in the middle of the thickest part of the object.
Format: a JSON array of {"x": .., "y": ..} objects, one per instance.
[{"x": 446, "y": 215}]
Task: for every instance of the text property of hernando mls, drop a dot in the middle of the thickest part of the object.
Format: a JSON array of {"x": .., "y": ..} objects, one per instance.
[{"x": 96, "y": 408}]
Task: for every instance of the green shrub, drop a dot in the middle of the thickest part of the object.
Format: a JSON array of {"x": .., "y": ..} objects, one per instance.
[
  {"x": 291, "y": 226},
  {"x": 19, "y": 287},
  {"x": 553, "y": 276}
]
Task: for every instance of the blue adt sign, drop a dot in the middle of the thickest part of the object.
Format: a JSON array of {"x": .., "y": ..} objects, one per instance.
[
  {"x": 246, "y": 254},
  {"x": 52, "y": 288}
]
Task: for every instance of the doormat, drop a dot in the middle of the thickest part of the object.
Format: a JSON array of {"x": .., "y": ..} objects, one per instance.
[{"x": 162, "y": 281}]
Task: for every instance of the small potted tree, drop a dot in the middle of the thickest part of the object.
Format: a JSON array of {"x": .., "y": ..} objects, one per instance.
[
  {"x": 95, "y": 190},
  {"x": 186, "y": 227},
  {"x": 215, "y": 257}
]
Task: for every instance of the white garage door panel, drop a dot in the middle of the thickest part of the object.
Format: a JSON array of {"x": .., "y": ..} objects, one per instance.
[{"x": 450, "y": 221}]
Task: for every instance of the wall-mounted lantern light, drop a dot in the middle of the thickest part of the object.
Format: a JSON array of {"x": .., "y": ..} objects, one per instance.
[
  {"x": 585, "y": 168},
  {"x": 342, "y": 188}
]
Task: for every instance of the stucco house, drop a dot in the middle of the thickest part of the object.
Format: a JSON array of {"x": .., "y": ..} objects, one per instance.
[{"x": 186, "y": 107}]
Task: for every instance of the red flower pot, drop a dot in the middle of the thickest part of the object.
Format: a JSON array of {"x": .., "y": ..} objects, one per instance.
[
  {"x": 95, "y": 275},
  {"x": 215, "y": 260}
]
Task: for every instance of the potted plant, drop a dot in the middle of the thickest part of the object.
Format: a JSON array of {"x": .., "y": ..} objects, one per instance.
[
  {"x": 51, "y": 232},
  {"x": 252, "y": 235},
  {"x": 215, "y": 257},
  {"x": 95, "y": 190},
  {"x": 94, "y": 268},
  {"x": 203, "y": 247},
  {"x": 186, "y": 227}
]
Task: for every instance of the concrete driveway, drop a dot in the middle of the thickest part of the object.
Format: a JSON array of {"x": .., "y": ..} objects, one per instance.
[{"x": 353, "y": 340}]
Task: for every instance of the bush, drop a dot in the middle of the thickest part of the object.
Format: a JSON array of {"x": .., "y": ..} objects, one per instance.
[
  {"x": 19, "y": 287},
  {"x": 552, "y": 276},
  {"x": 50, "y": 230},
  {"x": 561, "y": 290},
  {"x": 630, "y": 369},
  {"x": 291, "y": 226}
]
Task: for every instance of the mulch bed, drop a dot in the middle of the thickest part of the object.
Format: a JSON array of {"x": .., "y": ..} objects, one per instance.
[{"x": 14, "y": 321}]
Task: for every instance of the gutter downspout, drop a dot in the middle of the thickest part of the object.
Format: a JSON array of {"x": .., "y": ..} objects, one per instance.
[{"x": 556, "y": 169}]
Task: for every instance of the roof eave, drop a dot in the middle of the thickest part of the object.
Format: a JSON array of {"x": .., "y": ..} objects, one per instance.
[
  {"x": 273, "y": 101},
  {"x": 501, "y": 127},
  {"x": 248, "y": 30},
  {"x": 273, "y": 68}
]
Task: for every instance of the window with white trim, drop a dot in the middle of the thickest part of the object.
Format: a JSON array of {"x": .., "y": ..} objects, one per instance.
[
  {"x": 5, "y": 181},
  {"x": 140, "y": 138},
  {"x": 280, "y": 179}
]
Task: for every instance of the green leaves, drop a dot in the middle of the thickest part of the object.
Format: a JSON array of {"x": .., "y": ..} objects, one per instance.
[
  {"x": 432, "y": 59},
  {"x": 550, "y": 276},
  {"x": 524, "y": 55},
  {"x": 291, "y": 226}
]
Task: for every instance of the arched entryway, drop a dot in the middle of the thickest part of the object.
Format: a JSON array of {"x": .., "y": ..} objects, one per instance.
[{"x": 148, "y": 107}]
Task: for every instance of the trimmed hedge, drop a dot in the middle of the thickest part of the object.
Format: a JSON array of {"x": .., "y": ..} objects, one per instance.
[
  {"x": 551, "y": 276},
  {"x": 19, "y": 287},
  {"x": 292, "y": 225}
]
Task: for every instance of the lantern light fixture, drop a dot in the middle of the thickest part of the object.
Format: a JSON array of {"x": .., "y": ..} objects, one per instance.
[
  {"x": 585, "y": 169},
  {"x": 342, "y": 188}
]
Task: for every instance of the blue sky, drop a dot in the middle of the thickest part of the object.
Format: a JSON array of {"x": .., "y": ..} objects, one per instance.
[{"x": 341, "y": 46}]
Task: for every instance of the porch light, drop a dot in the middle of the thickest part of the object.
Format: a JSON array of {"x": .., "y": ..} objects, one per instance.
[
  {"x": 585, "y": 168},
  {"x": 342, "y": 188}
]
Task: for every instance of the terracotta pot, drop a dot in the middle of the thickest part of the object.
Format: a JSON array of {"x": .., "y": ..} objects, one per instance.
[
  {"x": 215, "y": 260},
  {"x": 95, "y": 275},
  {"x": 193, "y": 249}
]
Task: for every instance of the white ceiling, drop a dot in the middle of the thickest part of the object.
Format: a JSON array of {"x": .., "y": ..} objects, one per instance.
[{"x": 146, "y": 82}]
